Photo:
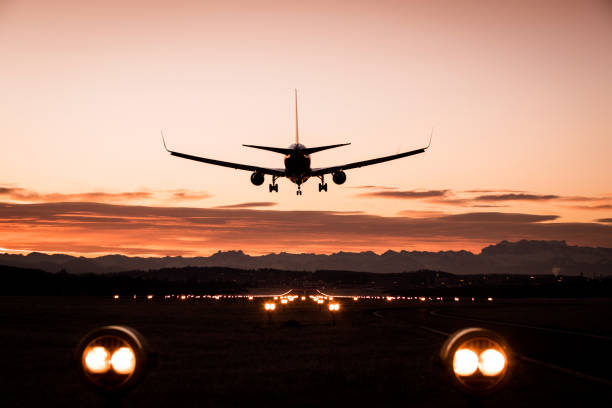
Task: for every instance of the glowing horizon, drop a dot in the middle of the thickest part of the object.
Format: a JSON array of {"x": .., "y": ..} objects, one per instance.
[{"x": 519, "y": 94}]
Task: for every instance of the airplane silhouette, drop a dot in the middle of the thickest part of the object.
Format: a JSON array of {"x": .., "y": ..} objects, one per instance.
[{"x": 297, "y": 162}]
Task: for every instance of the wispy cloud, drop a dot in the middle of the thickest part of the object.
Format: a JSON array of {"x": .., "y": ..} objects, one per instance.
[
  {"x": 18, "y": 194},
  {"x": 21, "y": 194},
  {"x": 250, "y": 205},
  {"x": 593, "y": 207},
  {"x": 405, "y": 195},
  {"x": 186, "y": 195},
  {"x": 516, "y": 197}
]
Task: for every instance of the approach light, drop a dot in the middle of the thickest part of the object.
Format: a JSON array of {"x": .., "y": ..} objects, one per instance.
[
  {"x": 477, "y": 360},
  {"x": 284, "y": 301},
  {"x": 113, "y": 359}
]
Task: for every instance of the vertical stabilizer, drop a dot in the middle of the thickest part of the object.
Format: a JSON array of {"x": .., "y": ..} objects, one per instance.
[{"x": 297, "y": 134}]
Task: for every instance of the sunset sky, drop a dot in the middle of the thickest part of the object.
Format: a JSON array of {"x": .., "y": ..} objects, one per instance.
[{"x": 519, "y": 94}]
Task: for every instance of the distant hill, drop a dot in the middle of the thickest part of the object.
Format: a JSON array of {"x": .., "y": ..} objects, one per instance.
[{"x": 523, "y": 257}]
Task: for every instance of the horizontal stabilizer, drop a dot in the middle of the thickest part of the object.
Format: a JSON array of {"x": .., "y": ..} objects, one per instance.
[
  {"x": 320, "y": 148},
  {"x": 271, "y": 149}
]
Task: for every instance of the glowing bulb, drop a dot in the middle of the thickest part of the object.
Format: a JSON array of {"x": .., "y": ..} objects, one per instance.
[
  {"x": 492, "y": 362},
  {"x": 465, "y": 362},
  {"x": 97, "y": 360},
  {"x": 123, "y": 360}
]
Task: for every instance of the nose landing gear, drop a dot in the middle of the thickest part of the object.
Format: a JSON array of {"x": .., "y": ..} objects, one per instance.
[{"x": 299, "y": 190}]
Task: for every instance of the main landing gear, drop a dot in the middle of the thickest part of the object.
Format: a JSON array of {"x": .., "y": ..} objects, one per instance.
[
  {"x": 273, "y": 186},
  {"x": 322, "y": 185}
]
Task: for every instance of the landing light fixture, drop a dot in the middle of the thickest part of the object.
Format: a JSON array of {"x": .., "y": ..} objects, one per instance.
[
  {"x": 113, "y": 359},
  {"x": 477, "y": 360}
]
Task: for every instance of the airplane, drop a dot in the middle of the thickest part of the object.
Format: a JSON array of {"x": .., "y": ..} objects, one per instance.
[{"x": 297, "y": 162}]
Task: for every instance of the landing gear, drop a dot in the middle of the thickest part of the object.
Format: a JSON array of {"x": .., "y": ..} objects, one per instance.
[
  {"x": 299, "y": 190},
  {"x": 273, "y": 186},
  {"x": 322, "y": 184}
]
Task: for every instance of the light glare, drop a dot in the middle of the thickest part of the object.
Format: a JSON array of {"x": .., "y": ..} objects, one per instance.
[
  {"x": 123, "y": 360},
  {"x": 97, "y": 360},
  {"x": 465, "y": 362},
  {"x": 492, "y": 362}
]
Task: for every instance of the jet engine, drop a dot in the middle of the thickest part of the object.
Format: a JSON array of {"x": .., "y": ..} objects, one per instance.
[
  {"x": 257, "y": 178},
  {"x": 339, "y": 177}
]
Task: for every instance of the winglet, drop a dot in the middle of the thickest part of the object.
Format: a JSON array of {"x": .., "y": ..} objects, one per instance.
[
  {"x": 164, "y": 141},
  {"x": 430, "y": 137}
]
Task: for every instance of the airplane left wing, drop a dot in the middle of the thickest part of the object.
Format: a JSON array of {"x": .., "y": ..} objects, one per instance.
[{"x": 238, "y": 166}]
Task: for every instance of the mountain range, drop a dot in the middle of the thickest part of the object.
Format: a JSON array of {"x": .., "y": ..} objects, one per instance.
[{"x": 522, "y": 257}]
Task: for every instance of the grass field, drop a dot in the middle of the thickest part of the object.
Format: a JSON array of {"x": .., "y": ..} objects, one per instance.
[{"x": 223, "y": 353}]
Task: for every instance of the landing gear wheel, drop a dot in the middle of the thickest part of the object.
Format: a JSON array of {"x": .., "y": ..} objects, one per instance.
[
  {"x": 322, "y": 187},
  {"x": 273, "y": 187},
  {"x": 299, "y": 192}
]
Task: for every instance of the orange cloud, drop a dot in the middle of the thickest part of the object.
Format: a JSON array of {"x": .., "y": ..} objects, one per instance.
[
  {"x": 407, "y": 195},
  {"x": 95, "y": 228}
]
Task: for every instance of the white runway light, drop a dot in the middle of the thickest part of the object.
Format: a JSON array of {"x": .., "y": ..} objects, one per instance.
[
  {"x": 465, "y": 362},
  {"x": 492, "y": 362}
]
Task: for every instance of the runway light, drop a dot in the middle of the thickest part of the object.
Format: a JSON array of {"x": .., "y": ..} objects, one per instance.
[
  {"x": 492, "y": 362},
  {"x": 116, "y": 296},
  {"x": 250, "y": 297},
  {"x": 477, "y": 360},
  {"x": 465, "y": 362},
  {"x": 270, "y": 306},
  {"x": 355, "y": 298},
  {"x": 149, "y": 297},
  {"x": 123, "y": 360},
  {"x": 334, "y": 307},
  {"x": 97, "y": 360},
  {"x": 303, "y": 297},
  {"x": 284, "y": 301},
  {"x": 490, "y": 299},
  {"x": 113, "y": 359}
]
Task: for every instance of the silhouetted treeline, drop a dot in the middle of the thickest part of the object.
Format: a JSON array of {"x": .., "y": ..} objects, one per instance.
[
  {"x": 18, "y": 281},
  {"x": 218, "y": 280}
]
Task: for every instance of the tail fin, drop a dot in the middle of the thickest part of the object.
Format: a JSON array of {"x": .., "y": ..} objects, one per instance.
[{"x": 297, "y": 134}]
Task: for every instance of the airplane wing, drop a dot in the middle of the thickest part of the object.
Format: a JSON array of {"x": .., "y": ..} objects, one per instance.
[
  {"x": 238, "y": 166},
  {"x": 348, "y": 166}
]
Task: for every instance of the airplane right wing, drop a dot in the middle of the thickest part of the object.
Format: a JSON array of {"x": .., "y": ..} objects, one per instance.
[
  {"x": 327, "y": 170},
  {"x": 348, "y": 166},
  {"x": 238, "y": 166}
]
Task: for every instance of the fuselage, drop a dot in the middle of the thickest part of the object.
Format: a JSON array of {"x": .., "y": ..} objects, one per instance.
[{"x": 297, "y": 164}]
